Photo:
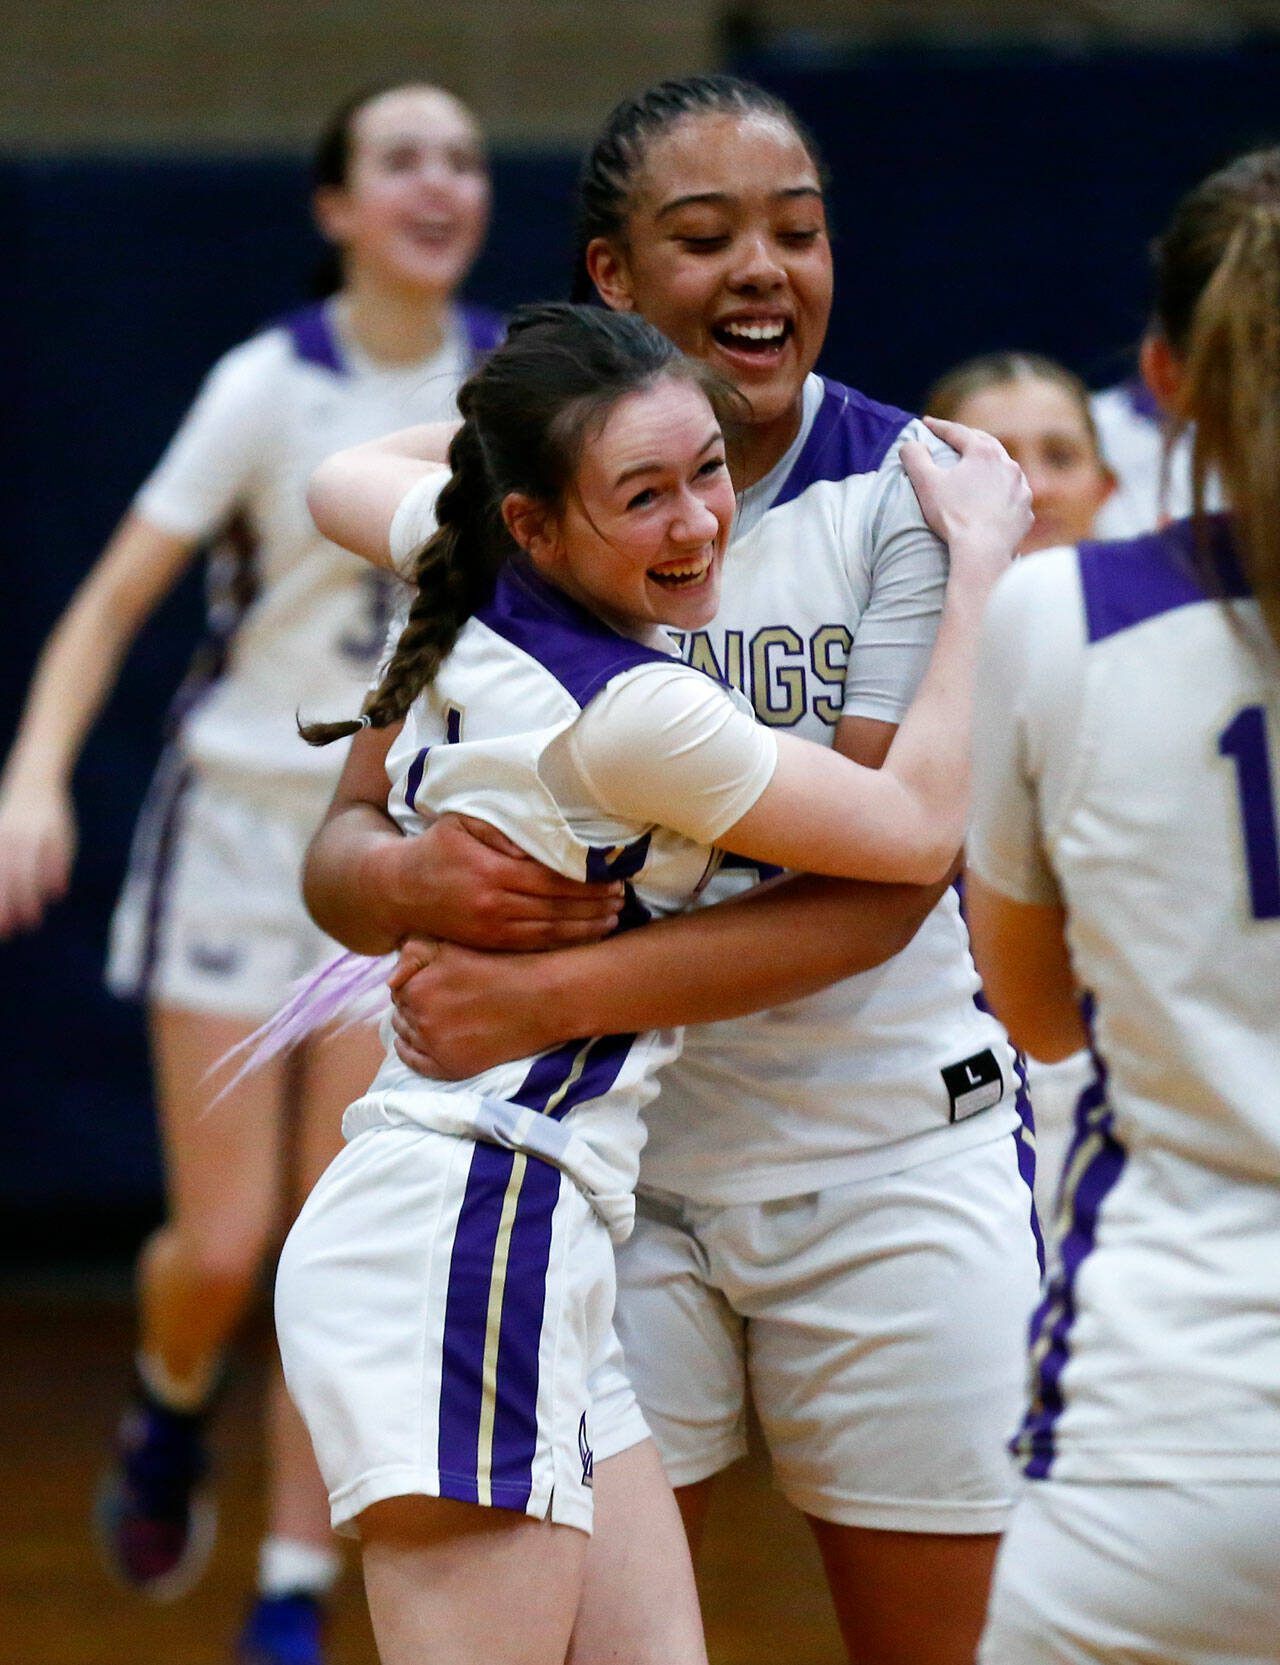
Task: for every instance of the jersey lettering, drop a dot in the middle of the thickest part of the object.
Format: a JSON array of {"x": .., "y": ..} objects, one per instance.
[
  {"x": 776, "y": 676},
  {"x": 777, "y": 684},
  {"x": 829, "y": 656},
  {"x": 1244, "y": 741}
]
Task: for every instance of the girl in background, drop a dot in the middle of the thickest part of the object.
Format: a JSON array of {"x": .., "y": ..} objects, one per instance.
[
  {"x": 1125, "y": 849},
  {"x": 210, "y": 928},
  {"x": 1040, "y": 412}
]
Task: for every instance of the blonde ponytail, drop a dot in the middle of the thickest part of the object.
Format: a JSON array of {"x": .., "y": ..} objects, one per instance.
[{"x": 1218, "y": 270}]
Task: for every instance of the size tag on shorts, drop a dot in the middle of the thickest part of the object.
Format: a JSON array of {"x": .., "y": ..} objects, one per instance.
[{"x": 973, "y": 1085}]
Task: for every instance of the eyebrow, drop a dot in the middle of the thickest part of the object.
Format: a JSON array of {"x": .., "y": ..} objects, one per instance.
[
  {"x": 722, "y": 199},
  {"x": 713, "y": 438}
]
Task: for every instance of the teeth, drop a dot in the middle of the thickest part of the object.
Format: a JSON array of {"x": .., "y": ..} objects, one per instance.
[
  {"x": 756, "y": 332},
  {"x": 679, "y": 573}
]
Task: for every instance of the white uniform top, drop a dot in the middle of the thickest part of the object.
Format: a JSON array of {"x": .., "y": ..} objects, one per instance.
[
  {"x": 1128, "y": 767},
  {"x": 832, "y": 590},
  {"x": 296, "y": 623},
  {"x": 585, "y": 747},
  {"x": 1153, "y": 481}
]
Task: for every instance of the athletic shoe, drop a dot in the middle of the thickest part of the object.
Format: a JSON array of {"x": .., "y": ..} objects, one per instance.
[
  {"x": 155, "y": 1521},
  {"x": 283, "y": 1630}
]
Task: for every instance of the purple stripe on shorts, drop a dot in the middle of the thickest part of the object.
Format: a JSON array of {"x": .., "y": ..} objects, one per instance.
[
  {"x": 1054, "y": 1317},
  {"x": 515, "y": 1427},
  {"x": 466, "y": 1317},
  {"x": 548, "y": 1074},
  {"x": 171, "y": 795},
  {"x": 851, "y": 434},
  {"x": 1025, "y": 1143}
]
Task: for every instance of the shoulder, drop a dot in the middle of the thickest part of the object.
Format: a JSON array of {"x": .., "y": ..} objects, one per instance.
[
  {"x": 1133, "y": 582},
  {"x": 851, "y": 438}
]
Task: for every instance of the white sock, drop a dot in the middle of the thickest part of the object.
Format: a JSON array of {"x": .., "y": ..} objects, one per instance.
[
  {"x": 287, "y": 1566},
  {"x": 179, "y": 1394}
]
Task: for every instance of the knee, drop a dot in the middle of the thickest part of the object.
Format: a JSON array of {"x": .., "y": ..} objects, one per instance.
[{"x": 223, "y": 1257}]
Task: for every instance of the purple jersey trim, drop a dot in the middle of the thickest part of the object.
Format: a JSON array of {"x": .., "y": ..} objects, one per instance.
[
  {"x": 484, "y": 329},
  {"x": 313, "y": 337},
  {"x": 315, "y": 341},
  {"x": 578, "y": 649},
  {"x": 1142, "y": 401},
  {"x": 1125, "y": 584},
  {"x": 1095, "y": 1146},
  {"x": 851, "y": 434},
  {"x": 515, "y": 1429}
]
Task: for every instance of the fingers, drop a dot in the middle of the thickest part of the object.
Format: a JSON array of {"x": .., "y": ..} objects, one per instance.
[
  {"x": 485, "y": 834},
  {"x": 956, "y": 434},
  {"x": 515, "y": 871},
  {"x": 415, "y": 954}
]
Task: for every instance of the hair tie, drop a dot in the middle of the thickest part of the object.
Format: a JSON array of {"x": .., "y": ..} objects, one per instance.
[{"x": 366, "y": 721}]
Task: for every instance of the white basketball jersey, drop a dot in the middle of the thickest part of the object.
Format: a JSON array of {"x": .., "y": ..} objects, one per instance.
[
  {"x": 1153, "y": 481},
  {"x": 1132, "y": 772},
  {"x": 533, "y": 657},
  {"x": 296, "y": 624},
  {"x": 831, "y": 594}
]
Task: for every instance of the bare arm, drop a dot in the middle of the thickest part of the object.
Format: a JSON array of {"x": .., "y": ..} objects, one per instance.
[
  {"x": 1021, "y": 952},
  {"x": 76, "y": 671},
  {"x": 464, "y": 1011},
  {"x": 354, "y": 494},
  {"x": 458, "y": 1011},
  {"x": 369, "y": 887}
]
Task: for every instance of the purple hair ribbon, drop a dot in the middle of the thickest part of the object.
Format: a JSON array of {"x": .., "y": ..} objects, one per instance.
[{"x": 347, "y": 990}]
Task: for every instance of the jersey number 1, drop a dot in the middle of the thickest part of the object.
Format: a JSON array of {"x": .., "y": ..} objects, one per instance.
[{"x": 1244, "y": 741}]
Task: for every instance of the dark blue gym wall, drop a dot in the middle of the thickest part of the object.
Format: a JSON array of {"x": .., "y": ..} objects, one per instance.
[{"x": 980, "y": 200}]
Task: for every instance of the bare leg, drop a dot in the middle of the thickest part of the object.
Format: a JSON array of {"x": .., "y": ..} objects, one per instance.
[
  {"x": 454, "y": 1584},
  {"x": 199, "y": 1271},
  {"x": 328, "y": 1075},
  {"x": 907, "y": 1598},
  {"x": 639, "y": 1601}
]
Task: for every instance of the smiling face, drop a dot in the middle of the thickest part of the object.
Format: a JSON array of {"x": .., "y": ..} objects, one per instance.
[
  {"x": 413, "y": 210},
  {"x": 1044, "y": 429},
  {"x": 726, "y": 251},
  {"x": 641, "y": 535}
]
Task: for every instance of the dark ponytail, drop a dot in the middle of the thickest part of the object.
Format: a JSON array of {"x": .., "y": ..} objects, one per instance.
[
  {"x": 609, "y": 168},
  {"x": 526, "y": 414}
]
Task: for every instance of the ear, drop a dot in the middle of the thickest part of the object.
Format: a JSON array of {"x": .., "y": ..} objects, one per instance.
[
  {"x": 1161, "y": 371},
  {"x": 608, "y": 270},
  {"x": 330, "y": 208},
  {"x": 532, "y": 526}
]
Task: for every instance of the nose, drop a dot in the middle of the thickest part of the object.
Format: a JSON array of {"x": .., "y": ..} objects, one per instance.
[
  {"x": 694, "y": 522},
  {"x": 758, "y": 268}
]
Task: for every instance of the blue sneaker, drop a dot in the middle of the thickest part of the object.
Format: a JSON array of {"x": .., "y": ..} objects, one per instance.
[
  {"x": 283, "y": 1630},
  {"x": 156, "y": 1523}
]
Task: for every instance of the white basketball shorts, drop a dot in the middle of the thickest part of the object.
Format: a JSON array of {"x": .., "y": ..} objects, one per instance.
[
  {"x": 1092, "y": 1574},
  {"x": 879, "y": 1327},
  {"x": 211, "y": 917},
  {"x": 445, "y": 1315}
]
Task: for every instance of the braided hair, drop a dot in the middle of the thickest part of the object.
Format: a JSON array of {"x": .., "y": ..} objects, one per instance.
[
  {"x": 527, "y": 412},
  {"x": 609, "y": 169}
]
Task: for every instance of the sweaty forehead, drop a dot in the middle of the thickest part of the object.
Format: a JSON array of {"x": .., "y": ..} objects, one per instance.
[{"x": 733, "y": 155}]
